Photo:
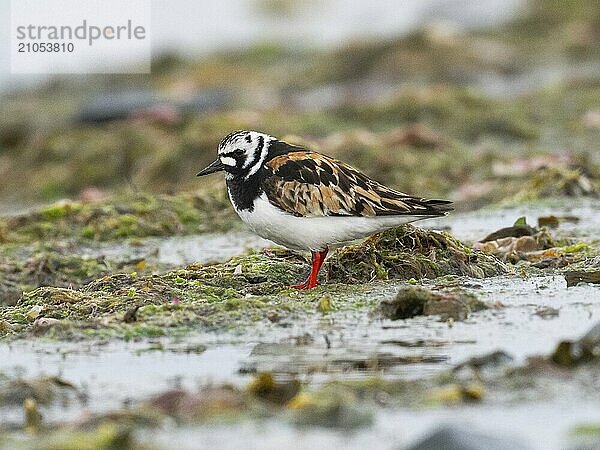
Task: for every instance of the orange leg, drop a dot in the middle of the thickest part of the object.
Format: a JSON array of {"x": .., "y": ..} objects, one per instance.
[{"x": 317, "y": 261}]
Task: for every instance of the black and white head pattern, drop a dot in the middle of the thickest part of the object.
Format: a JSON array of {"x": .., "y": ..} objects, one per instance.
[{"x": 243, "y": 153}]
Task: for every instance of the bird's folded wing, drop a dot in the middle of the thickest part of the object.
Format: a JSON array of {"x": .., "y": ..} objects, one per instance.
[{"x": 309, "y": 184}]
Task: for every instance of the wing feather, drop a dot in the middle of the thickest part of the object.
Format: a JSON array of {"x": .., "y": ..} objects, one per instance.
[{"x": 309, "y": 184}]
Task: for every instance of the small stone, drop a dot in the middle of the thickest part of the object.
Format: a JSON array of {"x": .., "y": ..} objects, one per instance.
[
  {"x": 563, "y": 355},
  {"x": 5, "y": 327},
  {"x": 131, "y": 314},
  {"x": 42, "y": 324},
  {"x": 525, "y": 244},
  {"x": 494, "y": 359},
  {"x": 455, "y": 393},
  {"x": 516, "y": 230},
  {"x": 416, "y": 301},
  {"x": 487, "y": 247},
  {"x": 237, "y": 270},
  {"x": 590, "y": 342},
  {"x": 279, "y": 392}
]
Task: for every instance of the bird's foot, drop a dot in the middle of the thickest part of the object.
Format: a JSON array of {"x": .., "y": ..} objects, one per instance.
[
  {"x": 268, "y": 252},
  {"x": 308, "y": 284}
]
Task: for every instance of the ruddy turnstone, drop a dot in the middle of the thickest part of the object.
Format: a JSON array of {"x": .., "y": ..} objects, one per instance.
[{"x": 308, "y": 201}]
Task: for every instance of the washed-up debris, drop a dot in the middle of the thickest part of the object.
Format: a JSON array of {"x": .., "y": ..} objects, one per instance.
[
  {"x": 553, "y": 221},
  {"x": 519, "y": 229},
  {"x": 126, "y": 216},
  {"x": 574, "y": 277},
  {"x": 5, "y": 327},
  {"x": 42, "y": 390},
  {"x": 494, "y": 359},
  {"x": 131, "y": 314},
  {"x": 573, "y": 353},
  {"x": 383, "y": 361},
  {"x": 416, "y": 301},
  {"x": 547, "y": 312},
  {"x": 208, "y": 401},
  {"x": 265, "y": 386},
  {"x": 43, "y": 324},
  {"x": 455, "y": 394},
  {"x": 555, "y": 182},
  {"x": 325, "y": 305},
  {"x": 107, "y": 434},
  {"x": 35, "y": 311},
  {"x": 523, "y": 242},
  {"x": 329, "y": 407},
  {"x": 33, "y": 417}
]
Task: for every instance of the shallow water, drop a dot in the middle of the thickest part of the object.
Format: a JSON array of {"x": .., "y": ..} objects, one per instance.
[
  {"x": 475, "y": 225},
  {"x": 182, "y": 250},
  {"x": 354, "y": 337},
  {"x": 542, "y": 425}
]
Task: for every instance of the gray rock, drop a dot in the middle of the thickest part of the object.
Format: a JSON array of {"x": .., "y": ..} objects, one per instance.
[{"x": 457, "y": 438}]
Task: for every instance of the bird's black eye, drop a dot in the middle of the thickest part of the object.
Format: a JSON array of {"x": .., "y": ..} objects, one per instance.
[{"x": 238, "y": 152}]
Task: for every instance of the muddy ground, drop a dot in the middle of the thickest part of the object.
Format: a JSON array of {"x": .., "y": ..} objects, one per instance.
[
  {"x": 136, "y": 310},
  {"x": 384, "y": 350}
]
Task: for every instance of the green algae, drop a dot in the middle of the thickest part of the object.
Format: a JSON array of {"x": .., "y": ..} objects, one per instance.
[
  {"x": 557, "y": 182},
  {"x": 586, "y": 429},
  {"x": 245, "y": 290},
  {"x": 207, "y": 296},
  {"x": 59, "y": 264},
  {"x": 131, "y": 216},
  {"x": 105, "y": 436}
]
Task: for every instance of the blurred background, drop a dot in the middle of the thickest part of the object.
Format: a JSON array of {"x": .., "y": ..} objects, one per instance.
[{"x": 479, "y": 102}]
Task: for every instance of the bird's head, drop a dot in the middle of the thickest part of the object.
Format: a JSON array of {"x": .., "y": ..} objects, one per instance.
[{"x": 240, "y": 154}]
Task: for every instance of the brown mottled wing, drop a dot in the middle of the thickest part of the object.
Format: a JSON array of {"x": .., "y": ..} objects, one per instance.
[{"x": 308, "y": 184}]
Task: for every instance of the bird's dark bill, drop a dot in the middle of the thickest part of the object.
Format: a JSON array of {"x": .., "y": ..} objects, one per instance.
[{"x": 215, "y": 166}]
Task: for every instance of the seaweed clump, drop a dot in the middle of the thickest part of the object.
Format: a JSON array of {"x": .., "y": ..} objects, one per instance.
[
  {"x": 134, "y": 306},
  {"x": 134, "y": 216},
  {"x": 408, "y": 252},
  {"x": 557, "y": 182}
]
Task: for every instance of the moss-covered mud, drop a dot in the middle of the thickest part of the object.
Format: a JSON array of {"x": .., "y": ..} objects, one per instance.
[
  {"x": 390, "y": 333},
  {"x": 121, "y": 217},
  {"x": 342, "y": 371},
  {"x": 244, "y": 290}
]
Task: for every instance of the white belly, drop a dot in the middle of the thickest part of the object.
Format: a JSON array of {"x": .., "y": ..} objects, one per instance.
[{"x": 313, "y": 233}]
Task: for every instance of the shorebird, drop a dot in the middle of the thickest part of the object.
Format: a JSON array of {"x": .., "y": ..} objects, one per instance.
[{"x": 304, "y": 200}]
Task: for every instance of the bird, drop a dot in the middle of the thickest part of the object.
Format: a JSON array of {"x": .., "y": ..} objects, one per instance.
[{"x": 305, "y": 200}]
